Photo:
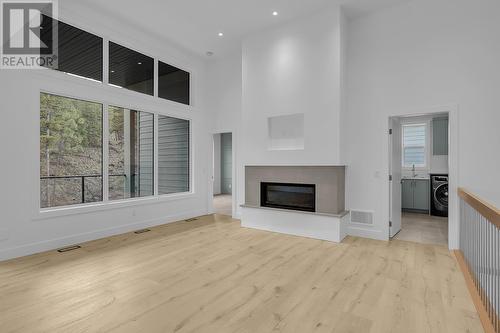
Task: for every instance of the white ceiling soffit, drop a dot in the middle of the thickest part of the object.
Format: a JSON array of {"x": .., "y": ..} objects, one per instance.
[{"x": 195, "y": 24}]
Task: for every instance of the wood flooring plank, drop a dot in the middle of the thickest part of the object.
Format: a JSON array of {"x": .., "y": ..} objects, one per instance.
[{"x": 211, "y": 275}]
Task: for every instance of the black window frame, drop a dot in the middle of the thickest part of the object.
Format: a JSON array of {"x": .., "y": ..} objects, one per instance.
[{"x": 188, "y": 100}]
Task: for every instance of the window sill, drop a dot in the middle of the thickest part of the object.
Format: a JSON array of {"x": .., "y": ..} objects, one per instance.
[
  {"x": 48, "y": 213},
  {"x": 416, "y": 168}
]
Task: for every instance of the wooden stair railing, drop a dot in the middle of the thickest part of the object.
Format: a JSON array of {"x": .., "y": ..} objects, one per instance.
[{"x": 479, "y": 256}]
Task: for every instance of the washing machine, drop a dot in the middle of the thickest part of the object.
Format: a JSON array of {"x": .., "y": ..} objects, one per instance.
[{"x": 439, "y": 195}]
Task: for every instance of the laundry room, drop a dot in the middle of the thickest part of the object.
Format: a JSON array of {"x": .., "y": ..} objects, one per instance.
[{"x": 419, "y": 165}]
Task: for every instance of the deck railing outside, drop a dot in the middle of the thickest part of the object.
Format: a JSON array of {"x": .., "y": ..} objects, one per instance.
[
  {"x": 83, "y": 180},
  {"x": 480, "y": 252}
]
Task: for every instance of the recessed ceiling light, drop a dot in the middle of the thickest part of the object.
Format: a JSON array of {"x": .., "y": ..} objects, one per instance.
[
  {"x": 275, "y": 13},
  {"x": 139, "y": 63},
  {"x": 221, "y": 34},
  {"x": 112, "y": 71}
]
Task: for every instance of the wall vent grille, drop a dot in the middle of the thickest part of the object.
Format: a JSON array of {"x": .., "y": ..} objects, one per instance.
[
  {"x": 141, "y": 231},
  {"x": 363, "y": 217},
  {"x": 69, "y": 248}
]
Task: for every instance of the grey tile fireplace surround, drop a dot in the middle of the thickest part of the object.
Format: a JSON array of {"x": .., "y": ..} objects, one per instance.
[{"x": 329, "y": 181}]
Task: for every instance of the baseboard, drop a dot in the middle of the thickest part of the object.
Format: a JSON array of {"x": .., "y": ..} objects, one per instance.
[
  {"x": 416, "y": 211},
  {"x": 53, "y": 244},
  {"x": 310, "y": 225},
  {"x": 359, "y": 231}
]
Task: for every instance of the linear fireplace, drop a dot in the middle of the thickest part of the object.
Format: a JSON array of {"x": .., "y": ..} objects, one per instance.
[{"x": 288, "y": 196}]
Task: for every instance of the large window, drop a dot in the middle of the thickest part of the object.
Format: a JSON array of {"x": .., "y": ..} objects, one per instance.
[
  {"x": 173, "y": 83},
  {"x": 130, "y": 69},
  {"x": 173, "y": 155},
  {"x": 71, "y": 130},
  {"x": 70, "y": 151},
  {"x": 131, "y": 151},
  {"x": 414, "y": 146}
]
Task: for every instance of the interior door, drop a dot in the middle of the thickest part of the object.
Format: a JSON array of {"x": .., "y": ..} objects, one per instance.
[{"x": 395, "y": 151}]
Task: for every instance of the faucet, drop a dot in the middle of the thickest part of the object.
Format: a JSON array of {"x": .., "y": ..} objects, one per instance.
[{"x": 413, "y": 170}]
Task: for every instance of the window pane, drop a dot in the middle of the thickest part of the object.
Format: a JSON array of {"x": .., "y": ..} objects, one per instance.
[
  {"x": 79, "y": 52},
  {"x": 131, "y": 152},
  {"x": 173, "y": 83},
  {"x": 414, "y": 136},
  {"x": 414, "y": 155},
  {"x": 414, "y": 145},
  {"x": 70, "y": 151},
  {"x": 173, "y": 155},
  {"x": 130, "y": 69}
]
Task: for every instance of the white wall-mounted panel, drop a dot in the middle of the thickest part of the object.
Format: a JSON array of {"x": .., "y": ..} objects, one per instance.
[{"x": 286, "y": 132}]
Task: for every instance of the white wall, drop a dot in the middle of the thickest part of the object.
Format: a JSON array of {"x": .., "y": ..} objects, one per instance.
[
  {"x": 23, "y": 229},
  {"x": 217, "y": 164},
  {"x": 224, "y": 105},
  {"x": 293, "y": 69},
  {"x": 408, "y": 58},
  {"x": 224, "y": 92}
]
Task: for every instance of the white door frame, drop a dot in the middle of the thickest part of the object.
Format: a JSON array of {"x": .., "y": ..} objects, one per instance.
[
  {"x": 210, "y": 198},
  {"x": 453, "y": 167}
]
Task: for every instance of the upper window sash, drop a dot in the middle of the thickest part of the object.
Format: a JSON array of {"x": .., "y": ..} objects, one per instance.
[{"x": 414, "y": 144}]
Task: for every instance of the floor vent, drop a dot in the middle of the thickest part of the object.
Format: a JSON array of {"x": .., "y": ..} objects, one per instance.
[
  {"x": 363, "y": 217},
  {"x": 69, "y": 248},
  {"x": 141, "y": 231},
  {"x": 191, "y": 220}
]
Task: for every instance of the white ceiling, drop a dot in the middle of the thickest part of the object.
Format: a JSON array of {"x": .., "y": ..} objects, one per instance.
[{"x": 195, "y": 24}]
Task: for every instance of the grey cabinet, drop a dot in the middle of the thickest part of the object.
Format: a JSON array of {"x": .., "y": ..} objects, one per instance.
[
  {"x": 415, "y": 194},
  {"x": 407, "y": 194},
  {"x": 440, "y": 136},
  {"x": 421, "y": 192}
]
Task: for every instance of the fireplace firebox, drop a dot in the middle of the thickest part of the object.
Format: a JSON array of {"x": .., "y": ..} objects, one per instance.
[{"x": 288, "y": 196}]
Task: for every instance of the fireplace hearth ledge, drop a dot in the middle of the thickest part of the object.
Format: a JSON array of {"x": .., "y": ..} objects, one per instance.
[
  {"x": 329, "y": 227},
  {"x": 341, "y": 214}
]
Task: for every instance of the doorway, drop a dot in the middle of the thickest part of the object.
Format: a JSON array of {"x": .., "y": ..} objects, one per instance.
[
  {"x": 223, "y": 173},
  {"x": 419, "y": 178}
]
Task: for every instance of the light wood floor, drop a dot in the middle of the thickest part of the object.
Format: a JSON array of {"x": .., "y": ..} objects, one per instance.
[
  {"x": 223, "y": 204},
  {"x": 423, "y": 228},
  {"x": 211, "y": 275}
]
